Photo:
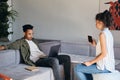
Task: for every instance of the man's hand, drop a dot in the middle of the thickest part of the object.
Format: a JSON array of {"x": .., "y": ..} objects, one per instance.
[
  {"x": 43, "y": 56},
  {"x": 2, "y": 47}
]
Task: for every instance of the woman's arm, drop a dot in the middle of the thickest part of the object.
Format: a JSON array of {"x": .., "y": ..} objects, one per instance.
[{"x": 103, "y": 51}]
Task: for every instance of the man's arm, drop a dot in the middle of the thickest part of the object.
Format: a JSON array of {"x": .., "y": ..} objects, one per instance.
[{"x": 14, "y": 45}]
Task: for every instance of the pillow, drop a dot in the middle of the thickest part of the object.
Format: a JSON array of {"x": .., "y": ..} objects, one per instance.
[{"x": 7, "y": 57}]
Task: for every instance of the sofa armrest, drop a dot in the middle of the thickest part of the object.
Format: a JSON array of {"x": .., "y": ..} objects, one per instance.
[{"x": 4, "y": 77}]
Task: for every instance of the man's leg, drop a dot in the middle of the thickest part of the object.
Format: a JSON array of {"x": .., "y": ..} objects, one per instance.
[
  {"x": 50, "y": 62},
  {"x": 82, "y": 71},
  {"x": 66, "y": 62}
]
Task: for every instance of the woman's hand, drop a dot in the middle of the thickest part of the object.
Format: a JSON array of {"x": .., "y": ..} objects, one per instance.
[
  {"x": 87, "y": 63},
  {"x": 93, "y": 43}
]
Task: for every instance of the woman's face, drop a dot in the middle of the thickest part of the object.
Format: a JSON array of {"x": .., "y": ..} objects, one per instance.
[{"x": 99, "y": 25}]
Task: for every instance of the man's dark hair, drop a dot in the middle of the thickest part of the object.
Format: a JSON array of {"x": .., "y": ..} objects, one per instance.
[
  {"x": 26, "y": 27},
  {"x": 105, "y": 17}
]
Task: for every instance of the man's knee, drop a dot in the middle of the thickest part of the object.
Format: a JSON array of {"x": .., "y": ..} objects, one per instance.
[
  {"x": 53, "y": 61},
  {"x": 66, "y": 58}
]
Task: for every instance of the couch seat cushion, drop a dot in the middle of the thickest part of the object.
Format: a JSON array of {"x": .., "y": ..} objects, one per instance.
[
  {"x": 107, "y": 76},
  {"x": 18, "y": 72}
]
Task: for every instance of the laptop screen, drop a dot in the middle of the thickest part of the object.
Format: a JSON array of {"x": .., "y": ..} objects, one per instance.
[{"x": 54, "y": 51}]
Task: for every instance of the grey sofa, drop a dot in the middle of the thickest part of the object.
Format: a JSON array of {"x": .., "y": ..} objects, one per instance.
[
  {"x": 78, "y": 48},
  {"x": 10, "y": 59},
  {"x": 85, "y": 49},
  {"x": 11, "y": 66}
]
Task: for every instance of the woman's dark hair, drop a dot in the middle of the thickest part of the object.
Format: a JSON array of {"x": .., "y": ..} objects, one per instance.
[
  {"x": 26, "y": 27},
  {"x": 105, "y": 17},
  {"x": 119, "y": 1}
]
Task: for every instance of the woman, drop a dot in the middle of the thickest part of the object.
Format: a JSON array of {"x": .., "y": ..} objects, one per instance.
[{"x": 104, "y": 61}]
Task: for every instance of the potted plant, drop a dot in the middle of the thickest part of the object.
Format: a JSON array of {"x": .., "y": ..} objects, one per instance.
[{"x": 5, "y": 16}]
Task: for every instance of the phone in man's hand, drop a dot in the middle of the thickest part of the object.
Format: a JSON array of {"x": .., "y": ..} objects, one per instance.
[{"x": 90, "y": 39}]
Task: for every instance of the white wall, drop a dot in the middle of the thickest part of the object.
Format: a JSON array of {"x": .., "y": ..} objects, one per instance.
[{"x": 58, "y": 19}]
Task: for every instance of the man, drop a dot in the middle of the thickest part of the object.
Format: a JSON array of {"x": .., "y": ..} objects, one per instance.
[{"x": 31, "y": 54}]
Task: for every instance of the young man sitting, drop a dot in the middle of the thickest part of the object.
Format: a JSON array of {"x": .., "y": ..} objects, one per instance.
[{"x": 32, "y": 55}]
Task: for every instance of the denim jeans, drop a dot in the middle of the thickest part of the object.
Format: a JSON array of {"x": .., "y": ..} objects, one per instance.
[
  {"x": 85, "y": 72},
  {"x": 54, "y": 62}
]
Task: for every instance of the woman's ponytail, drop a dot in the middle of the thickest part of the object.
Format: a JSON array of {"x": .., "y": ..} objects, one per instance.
[{"x": 105, "y": 17}]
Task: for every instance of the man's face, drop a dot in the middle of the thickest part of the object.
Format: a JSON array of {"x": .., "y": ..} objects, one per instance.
[{"x": 28, "y": 34}]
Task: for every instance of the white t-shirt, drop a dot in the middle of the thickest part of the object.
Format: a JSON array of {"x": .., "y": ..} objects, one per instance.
[
  {"x": 108, "y": 62},
  {"x": 34, "y": 50}
]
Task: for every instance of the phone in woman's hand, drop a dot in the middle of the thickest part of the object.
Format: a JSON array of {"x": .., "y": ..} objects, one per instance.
[{"x": 90, "y": 39}]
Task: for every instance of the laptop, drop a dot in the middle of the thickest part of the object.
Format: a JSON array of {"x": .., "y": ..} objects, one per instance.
[{"x": 54, "y": 51}]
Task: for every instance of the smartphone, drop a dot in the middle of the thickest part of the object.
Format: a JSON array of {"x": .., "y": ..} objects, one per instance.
[{"x": 90, "y": 39}]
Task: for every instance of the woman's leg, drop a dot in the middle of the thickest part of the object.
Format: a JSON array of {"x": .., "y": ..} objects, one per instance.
[{"x": 81, "y": 71}]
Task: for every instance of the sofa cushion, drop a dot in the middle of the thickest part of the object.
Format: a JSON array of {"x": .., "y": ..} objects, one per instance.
[
  {"x": 46, "y": 46},
  {"x": 107, "y": 76},
  {"x": 117, "y": 67},
  {"x": 9, "y": 57},
  {"x": 75, "y": 48},
  {"x": 92, "y": 51},
  {"x": 17, "y": 58},
  {"x": 117, "y": 51},
  {"x": 18, "y": 72}
]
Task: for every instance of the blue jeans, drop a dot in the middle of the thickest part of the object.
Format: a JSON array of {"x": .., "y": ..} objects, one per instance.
[{"x": 85, "y": 73}]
